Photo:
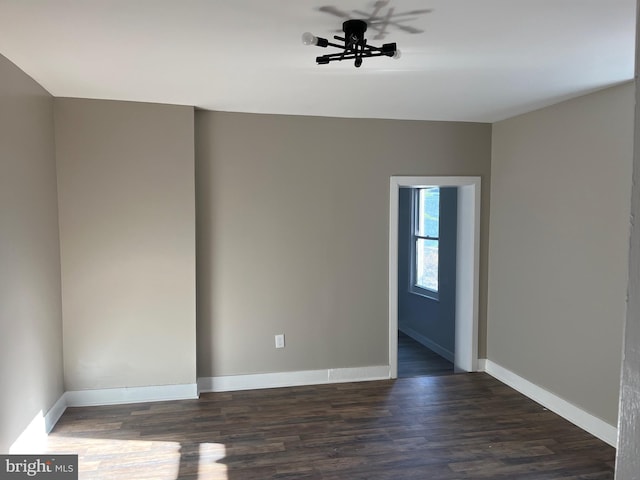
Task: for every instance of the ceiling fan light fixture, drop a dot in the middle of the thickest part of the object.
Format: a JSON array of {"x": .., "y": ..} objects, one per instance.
[
  {"x": 389, "y": 49},
  {"x": 309, "y": 38},
  {"x": 354, "y": 46}
]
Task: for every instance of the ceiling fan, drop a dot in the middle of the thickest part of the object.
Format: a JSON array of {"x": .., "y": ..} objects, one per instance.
[{"x": 354, "y": 47}]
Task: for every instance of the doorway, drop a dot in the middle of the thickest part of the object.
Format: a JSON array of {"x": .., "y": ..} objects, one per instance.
[
  {"x": 467, "y": 266},
  {"x": 426, "y": 281}
]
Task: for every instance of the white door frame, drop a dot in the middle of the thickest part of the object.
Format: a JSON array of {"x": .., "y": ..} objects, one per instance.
[{"x": 467, "y": 266}]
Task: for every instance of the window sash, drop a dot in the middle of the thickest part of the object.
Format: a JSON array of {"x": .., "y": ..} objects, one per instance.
[
  {"x": 426, "y": 264},
  {"x": 425, "y": 237},
  {"x": 426, "y": 220}
]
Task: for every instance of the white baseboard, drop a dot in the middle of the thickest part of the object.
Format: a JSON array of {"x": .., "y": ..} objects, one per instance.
[
  {"x": 290, "y": 379},
  {"x": 592, "y": 424},
  {"x": 33, "y": 439},
  {"x": 114, "y": 396},
  {"x": 427, "y": 342},
  {"x": 54, "y": 413},
  {"x": 482, "y": 365}
]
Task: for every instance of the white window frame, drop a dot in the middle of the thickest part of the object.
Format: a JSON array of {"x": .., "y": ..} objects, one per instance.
[{"x": 413, "y": 287}]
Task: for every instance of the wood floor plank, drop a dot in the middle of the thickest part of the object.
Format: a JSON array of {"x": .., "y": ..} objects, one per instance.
[{"x": 467, "y": 426}]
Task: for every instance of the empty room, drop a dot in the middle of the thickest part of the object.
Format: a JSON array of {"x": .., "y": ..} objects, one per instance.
[{"x": 223, "y": 225}]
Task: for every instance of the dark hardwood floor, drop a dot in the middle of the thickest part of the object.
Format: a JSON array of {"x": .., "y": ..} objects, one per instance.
[
  {"x": 416, "y": 360},
  {"x": 466, "y": 426}
]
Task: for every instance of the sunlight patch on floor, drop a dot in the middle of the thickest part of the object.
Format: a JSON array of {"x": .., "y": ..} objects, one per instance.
[
  {"x": 141, "y": 459},
  {"x": 33, "y": 439},
  {"x": 209, "y": 465}
]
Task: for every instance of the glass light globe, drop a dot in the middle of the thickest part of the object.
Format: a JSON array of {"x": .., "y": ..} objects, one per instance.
[{"x": 309, "y": 38}]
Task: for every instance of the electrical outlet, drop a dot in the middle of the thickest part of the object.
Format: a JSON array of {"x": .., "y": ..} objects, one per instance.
[{"x": 280, "y": 340}]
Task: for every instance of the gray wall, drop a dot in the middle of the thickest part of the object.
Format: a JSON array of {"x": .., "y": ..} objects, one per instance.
[
  {"x": 293, "y": 218},
  {"x": 429, "y": 321},
  {"x": 30, "y": 311},
  {"x": 628, "y": 458},
  {"x": 127, "y": 234},
  {"x": 560, "y": 192}
]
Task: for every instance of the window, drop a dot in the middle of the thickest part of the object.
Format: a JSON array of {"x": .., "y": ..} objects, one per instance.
[{"x": 425, "y": 241}]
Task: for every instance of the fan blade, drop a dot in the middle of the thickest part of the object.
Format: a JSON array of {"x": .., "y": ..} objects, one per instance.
[
  {"x": 373, "y": 17},
  {"x": 377, "y": 7},
  {"x": 384, "y": 22},
  {"x": 417, "y": 12},
  {"x": 333, "y": 11},
  {"x": 406, "y": 28},
  {"x": 370, "y": 17}
]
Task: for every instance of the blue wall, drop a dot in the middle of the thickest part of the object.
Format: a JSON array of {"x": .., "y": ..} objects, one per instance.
[{"x": 431, "y": 322}]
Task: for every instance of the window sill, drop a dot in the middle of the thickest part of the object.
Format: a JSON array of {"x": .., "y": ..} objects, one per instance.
[{"x": 421, "y": 292}]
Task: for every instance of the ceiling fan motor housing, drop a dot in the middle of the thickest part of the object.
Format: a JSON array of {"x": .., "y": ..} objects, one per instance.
[{"x": 354, "y": 32}]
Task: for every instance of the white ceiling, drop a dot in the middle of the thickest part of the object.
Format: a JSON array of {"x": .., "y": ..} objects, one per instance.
[{"x": 465, "y": 60}]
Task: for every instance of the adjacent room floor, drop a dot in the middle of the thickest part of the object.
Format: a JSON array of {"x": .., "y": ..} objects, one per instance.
[
  {"x": 416, "y": 360},
  {"x": 466, "y": 426}
]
